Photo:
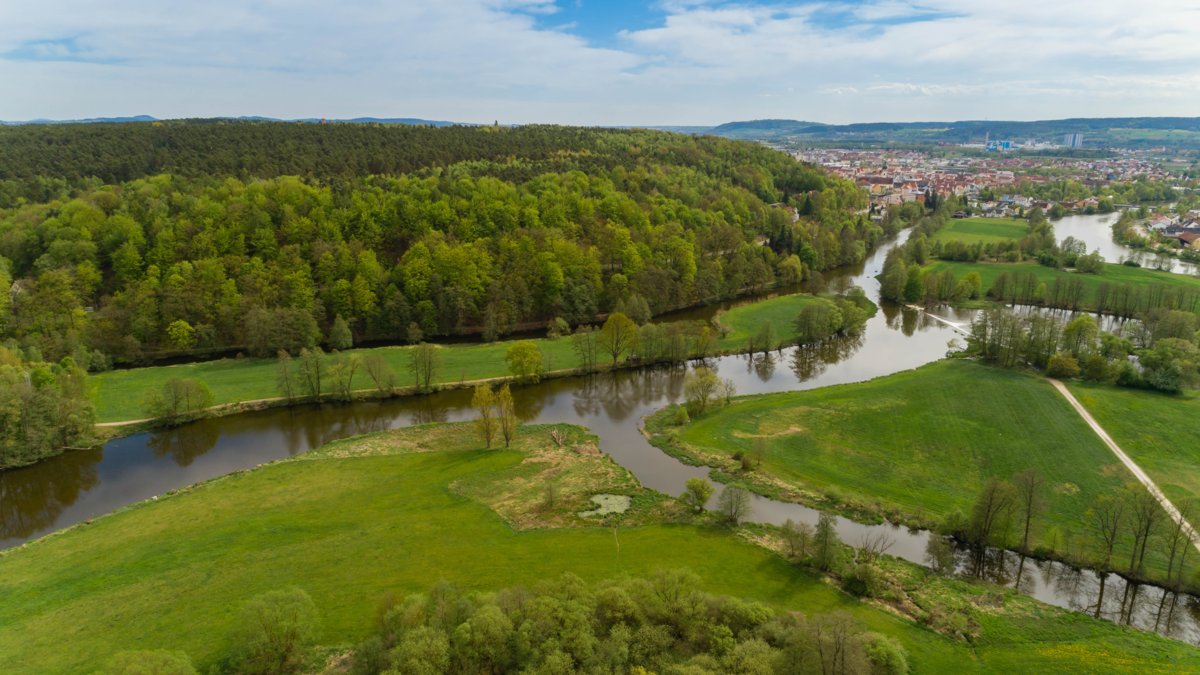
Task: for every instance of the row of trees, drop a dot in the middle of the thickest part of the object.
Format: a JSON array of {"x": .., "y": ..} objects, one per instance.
[
  {"x": 1163, "y": 340},
  {"x": 1007, "y": 513},
  {"x": 201, "y": 263}
]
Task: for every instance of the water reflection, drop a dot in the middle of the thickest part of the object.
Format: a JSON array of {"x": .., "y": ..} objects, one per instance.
[
  {"x": 77, "y": 486},
  {"x": 33, "y": 498}
]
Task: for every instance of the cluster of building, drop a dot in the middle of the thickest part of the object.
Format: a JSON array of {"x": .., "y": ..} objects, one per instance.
[
  {"x": 1184, "y": 229},
  {"x": 895, "y": 177}
]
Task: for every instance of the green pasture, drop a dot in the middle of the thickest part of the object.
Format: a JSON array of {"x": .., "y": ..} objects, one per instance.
[
  {"x": 923, "y": 440},
  {"x": 1113, "y": 274},
  {"x": 119, "y": 394},
  {"x": 985, "y": 230},
  {"x": 1160, "y": 433},
  {"x": 174, "y": 573}
]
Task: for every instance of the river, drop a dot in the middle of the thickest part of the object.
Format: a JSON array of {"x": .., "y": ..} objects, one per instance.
[{"x": 79, "y": 485}]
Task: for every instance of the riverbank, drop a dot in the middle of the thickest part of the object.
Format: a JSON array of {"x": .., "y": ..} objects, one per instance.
[
  {"x": 397, "y": 510},
  {"x": 915, "y": 447}
]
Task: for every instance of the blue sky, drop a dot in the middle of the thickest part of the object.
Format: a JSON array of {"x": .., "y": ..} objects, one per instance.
[{"x": 686, "y": 62}]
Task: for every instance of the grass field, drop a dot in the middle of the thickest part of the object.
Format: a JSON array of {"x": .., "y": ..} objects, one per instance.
[
  {"x": 986, "y": 230},
  {"x": 1160, "y": 432},
  {"x": 1114, "y": 274},
  {"x": 747, "y": 320},
  {"x": 920, "y": 440},
  {"x": 119, "y": 394},
  {"x": 399, "y": 510}
]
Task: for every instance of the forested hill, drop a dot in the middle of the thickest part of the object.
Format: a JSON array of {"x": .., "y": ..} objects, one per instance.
[
  {"x": 263, "y": 234},
  {"x": 35, "y": 160}
]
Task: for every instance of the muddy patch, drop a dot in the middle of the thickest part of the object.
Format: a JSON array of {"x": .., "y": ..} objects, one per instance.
[{"x": 608, "y": 504}]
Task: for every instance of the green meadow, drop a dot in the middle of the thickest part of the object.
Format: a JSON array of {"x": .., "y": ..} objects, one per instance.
[
  {"x": 1160, "y": 433},
  {"x": 119, "y": 394},
  {"x": 401, "y": 509},
  {"x": 1113, "y": 274},
  {"x": 985, "y": 230},
  {"x": 920, "y": 442}
]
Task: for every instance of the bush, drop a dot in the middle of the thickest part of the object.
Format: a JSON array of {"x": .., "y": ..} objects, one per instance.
[
  {"x": 1062, "y": 366},
  {"x": 886, "y": 655},
  {"x": 681, "y": 416},
  {"x": 955, "y": 523},
  {"x": 1127, "y": 375},
  {"x": 1097, "y": 369},
  {"x": 273, "y": 632},
  {"x": 161, "y": 662},
  {"x": 861, "y": 580},
  {"x": 747, "y": 463}
]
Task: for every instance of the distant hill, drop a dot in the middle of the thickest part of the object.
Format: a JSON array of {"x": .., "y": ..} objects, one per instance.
[
  {"x": 1097, "y": 132},
  {"x": 147, "y": 118},
  {"x": 90, "y": 120}
]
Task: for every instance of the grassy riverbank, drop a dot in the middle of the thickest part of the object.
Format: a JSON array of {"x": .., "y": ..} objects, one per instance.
[
  {"x": 1114, "y": 274},
  {"x": 982, "y": 230},
  {"x": 119, "y": 394},
  {"x": 917, "y": 444},
  {"x": 399, "y": 510},
  {"x": 1160, "y": 432}
]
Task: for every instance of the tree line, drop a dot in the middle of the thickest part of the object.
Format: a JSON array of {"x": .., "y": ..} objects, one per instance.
[
  {"x": 198, "y": 262},
  {"x": 1164, "y": 341},
  {"x": 661, "y": 624},
  {"x": 1006, "y": 513}
]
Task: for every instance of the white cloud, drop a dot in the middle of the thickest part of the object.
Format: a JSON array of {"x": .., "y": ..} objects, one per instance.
[{"x": 705, "y": 61}]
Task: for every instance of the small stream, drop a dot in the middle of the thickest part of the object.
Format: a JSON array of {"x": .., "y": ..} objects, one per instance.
[{"x": 79, "y": 485}]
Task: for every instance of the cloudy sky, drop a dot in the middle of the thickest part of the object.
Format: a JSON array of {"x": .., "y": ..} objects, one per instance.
[{"x": 618, "y": 62}]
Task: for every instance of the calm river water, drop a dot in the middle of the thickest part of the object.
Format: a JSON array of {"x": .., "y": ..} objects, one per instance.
[{"x": 80, "y": 485}]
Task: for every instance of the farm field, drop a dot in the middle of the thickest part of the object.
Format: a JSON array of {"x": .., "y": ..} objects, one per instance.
[
  {"x": 119, "y": 394},
  {"x": 1160, "y": 432},
  {"x": 986, "y": 230},
  {"x": 399, "y": 510},
  {"x": 922, "y": 441}
]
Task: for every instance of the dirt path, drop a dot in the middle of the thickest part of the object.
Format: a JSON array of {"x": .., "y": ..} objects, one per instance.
[{"x": 1129, "y": 463}]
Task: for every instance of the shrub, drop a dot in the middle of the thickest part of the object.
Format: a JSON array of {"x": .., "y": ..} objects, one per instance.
[
  {"x": 1062, "y": 366},
  {"x": 886, "y": 655},
  {"x": 161, "y": 662},
  {"x": 273, "y": 632},
  {"x": 747, "y": 463},
  {"x": 681, "y": 416},
  {"x": 954, "y": 523}
]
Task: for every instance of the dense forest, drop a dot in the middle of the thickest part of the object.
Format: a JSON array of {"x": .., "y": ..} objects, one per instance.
[{"x": 121, "y": 243}]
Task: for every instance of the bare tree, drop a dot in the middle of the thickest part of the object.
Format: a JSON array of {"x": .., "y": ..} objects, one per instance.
[
  {"x": 875, "y": 544},
  {"x": 1031, "y": 500},
  {"x": 585, "y": 343},
  {"x": 1107, "y": 516},
  {"x": 1178, "y": 540},
  {"x": 311, "y": 371},
  {"x": 285, "y": 379},
  {"x": 425, "y": 364},
  {"x": 1145, "y": 514},
  {"x": 992, "y": 508},
  {"x": 380, "y": 372},
  {"x": 837, "y": 634},
  {"x": 734, "y": 503}
]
